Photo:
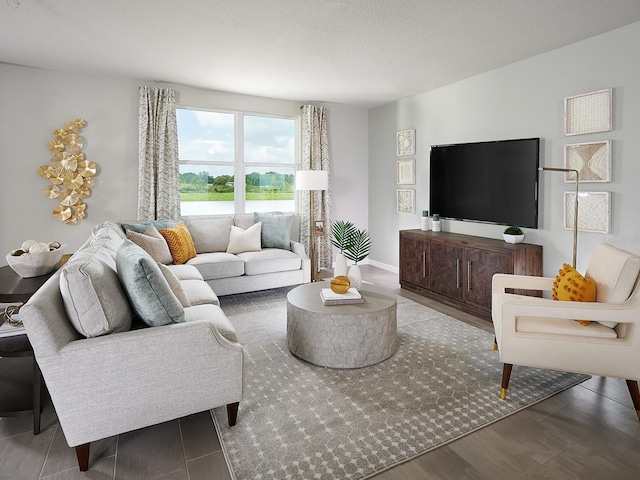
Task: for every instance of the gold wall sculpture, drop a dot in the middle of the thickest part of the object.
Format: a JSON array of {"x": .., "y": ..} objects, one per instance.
[{"x": 69, "y": 172}]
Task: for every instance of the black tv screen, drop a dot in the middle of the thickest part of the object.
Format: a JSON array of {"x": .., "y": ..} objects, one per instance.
[{"x": 493, "y": 182}]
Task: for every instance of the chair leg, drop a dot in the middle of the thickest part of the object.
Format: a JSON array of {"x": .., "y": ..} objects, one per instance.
[
  {"x": 232, "y": 413},
  {"x": 82, "y": 452},
  {"x": 506, "y": 375},
  {"x": 632, "y": 385},
  {"x": 495, "y": 344}
]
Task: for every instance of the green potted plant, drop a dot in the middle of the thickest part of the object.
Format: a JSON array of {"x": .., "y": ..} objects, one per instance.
[
  {"x": 357, "y": 251},
  {"x": 342, "y": 236},
  {"x": 513, "y": 235}
]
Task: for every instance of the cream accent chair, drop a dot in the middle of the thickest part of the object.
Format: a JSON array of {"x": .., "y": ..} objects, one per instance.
[{"x": 542, "y": 333}]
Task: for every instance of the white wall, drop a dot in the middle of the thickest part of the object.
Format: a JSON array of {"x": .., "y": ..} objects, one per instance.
[
  {"x": 34, "y": 102},
  {"x": 525, "y": 99}
]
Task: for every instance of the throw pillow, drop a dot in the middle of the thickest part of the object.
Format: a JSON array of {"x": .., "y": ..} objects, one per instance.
[
  {"x": 174, "y": 284},
  {"x": 142, "y": 226},
  {"x": 180, "y": 243},
  {"x": 248, "y": 240},
  {"x": 148, "y": 291},
  {"x": 276, "y": 230},
  {"x": 571, "y": 286},
  {"x": 153, "y": 243}
]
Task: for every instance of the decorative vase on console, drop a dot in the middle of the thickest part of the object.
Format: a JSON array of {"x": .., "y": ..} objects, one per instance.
[
  {"x": 357, "y": 251},
  {"x": 342, "y": 234}
]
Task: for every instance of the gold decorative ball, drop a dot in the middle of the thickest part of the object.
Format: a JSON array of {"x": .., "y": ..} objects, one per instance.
[{"x": 340, "y": 284}]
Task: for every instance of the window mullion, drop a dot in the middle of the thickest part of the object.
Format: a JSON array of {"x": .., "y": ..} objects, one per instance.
[{"x": 239, "y": 182}]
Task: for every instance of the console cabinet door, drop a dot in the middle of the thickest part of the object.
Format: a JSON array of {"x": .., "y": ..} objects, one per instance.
[
  {"x": 479, "y": 268},
  {"x": 414, "y": 260},
  {"x": 447, "y": 269}
]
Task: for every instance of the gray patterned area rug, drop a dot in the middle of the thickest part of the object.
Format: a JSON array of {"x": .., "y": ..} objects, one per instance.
[{"x": 301, "y": 421}]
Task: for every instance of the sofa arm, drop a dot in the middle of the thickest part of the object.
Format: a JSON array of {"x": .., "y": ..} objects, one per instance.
[
  {"x": 298, "y": 249},
  {"x": 120, "y": 382}
]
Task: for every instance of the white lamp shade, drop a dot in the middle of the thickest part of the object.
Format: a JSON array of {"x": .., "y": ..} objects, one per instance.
[{"x": 312, "y": 180}]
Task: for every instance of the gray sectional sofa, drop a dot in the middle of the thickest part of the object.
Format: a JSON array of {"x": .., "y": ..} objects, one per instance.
[{"x": 124, "y": 341}]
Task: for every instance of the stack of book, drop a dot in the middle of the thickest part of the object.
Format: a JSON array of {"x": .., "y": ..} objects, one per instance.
[{"x": 329, "y": 297}]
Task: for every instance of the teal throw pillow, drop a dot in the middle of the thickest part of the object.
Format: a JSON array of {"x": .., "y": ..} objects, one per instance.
[
  {"x": 149, "y": 293},
  {"x": 276, "y": 230},
  {"x": 142, "y": 227}
]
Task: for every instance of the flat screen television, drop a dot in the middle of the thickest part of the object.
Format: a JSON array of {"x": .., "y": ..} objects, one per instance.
[{"x": 491, "y": 182}]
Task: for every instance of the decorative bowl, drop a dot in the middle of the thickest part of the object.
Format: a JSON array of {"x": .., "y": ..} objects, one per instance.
[{"x": 30, "y": 265}]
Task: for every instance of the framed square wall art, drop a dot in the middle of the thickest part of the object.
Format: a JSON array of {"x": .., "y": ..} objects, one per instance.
[
  {"x": 592, "y": 160},
  {"x": 406, "y": 143},
  {"x": 594, "y": 211},
  {"x": 588, "y": 113},
  {"x": 406, "y": 172},
  {"x": 406, "y": 201}
]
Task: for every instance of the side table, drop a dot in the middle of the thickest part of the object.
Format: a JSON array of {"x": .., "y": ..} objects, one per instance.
[{"x": 20, "y": 378}]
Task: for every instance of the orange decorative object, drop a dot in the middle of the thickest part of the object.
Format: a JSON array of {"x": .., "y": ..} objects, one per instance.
[{"x": 340, "y": 284}]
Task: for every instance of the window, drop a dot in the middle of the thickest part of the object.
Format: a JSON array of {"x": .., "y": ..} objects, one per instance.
[{"x": 216, "y": 148}]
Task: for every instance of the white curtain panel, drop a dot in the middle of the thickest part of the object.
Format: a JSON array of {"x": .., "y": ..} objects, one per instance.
[
  {"x": 159, "y": 174},
  {"x": 315, "y": 156}
]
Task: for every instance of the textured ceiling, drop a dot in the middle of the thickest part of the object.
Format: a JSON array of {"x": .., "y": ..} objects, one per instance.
[{"x": 358, "y": 52}]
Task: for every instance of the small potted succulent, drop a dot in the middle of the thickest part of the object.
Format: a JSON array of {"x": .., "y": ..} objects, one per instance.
[{"x": 513, "y": 235}]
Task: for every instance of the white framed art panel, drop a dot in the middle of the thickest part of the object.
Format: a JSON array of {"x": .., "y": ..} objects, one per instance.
[
  {"x": 594, "y": 211},
  {"x": 406, "y": 172},
  {"x": 406, "y": 143},
  {"x": 406, "y": 201},
  {"x": 592, "y": 160},
  {"x": 588, "y": 113}
]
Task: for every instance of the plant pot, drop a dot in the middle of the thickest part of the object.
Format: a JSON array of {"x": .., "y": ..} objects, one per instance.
[
  {"x": 355, "y": 276},
  {"x": 341, "y": 265},
  {"x": 513, "y": 238}
]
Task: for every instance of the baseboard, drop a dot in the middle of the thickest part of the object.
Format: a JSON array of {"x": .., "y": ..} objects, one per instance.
[{"x": 384, "y": 266}]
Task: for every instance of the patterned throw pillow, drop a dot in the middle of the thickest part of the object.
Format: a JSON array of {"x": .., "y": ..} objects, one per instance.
[
  {"x": 180, "y": 243},
  {"x": 573, "y": 287}
]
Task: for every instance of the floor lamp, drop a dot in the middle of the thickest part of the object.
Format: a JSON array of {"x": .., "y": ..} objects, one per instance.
[
  {"x": 575, "y": 212},
  {"x": 312, "y": 180}
]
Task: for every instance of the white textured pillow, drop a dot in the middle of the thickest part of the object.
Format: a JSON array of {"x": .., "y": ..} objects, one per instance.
[
  {"x": 174, "y": 284},
  {"x": 248, "y": 240},
  {"x": 153, "y": 243}
]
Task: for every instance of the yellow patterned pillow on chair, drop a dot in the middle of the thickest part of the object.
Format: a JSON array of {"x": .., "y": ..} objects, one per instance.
[
  {"x": 180, "y": 243},
  {"x": 573, "y": 287}
]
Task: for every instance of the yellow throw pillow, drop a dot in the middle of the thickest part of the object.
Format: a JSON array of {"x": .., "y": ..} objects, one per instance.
[
  {"x": 180, "y": 243},
  {"x": 573, "y": 287}
]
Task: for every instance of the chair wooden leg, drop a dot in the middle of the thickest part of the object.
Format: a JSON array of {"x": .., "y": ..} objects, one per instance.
[
  {"x": 495, "y": 344},
  {"x": 232, "y": 413},
  {"x": 632, "y": 385},
  {"x": 506, "y": 375},
  {"x": 82, "y": 452}
]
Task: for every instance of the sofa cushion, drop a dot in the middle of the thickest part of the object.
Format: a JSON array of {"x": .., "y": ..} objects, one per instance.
[
  {"x": 186, "y": 272},
  {"x": 245, "y": 240},
  {"x": 270, "y": 260},
  {"x": 275, "y": 231},
  {"x": 210, "y": 234},
  {"x": 141, "y": 227},
  {"x": 199, "y": 292},
  {"x": 146, "y": 287},
  {"x": 180, "y": 243},
  {"x": 243, "y": 220},
  {"x": 218, "y": 265},
  {"x": 91, "y": 291},
  {"x": 214, "y": 314},
  {"x": 175, "y": 285},
  {"x": 153, "y": 243}
]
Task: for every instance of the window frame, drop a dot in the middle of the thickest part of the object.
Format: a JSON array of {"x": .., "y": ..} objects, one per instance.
[{"x": 239, "y": 165}]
